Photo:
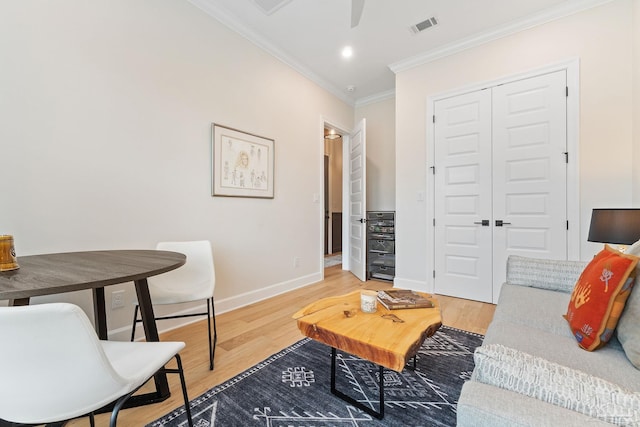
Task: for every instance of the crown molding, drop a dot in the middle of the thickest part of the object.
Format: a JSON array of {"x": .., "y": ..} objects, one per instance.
[
  {"x": 222, "y": 16},
  {"x": 544, "y": 17},
  {"x": 381, "y": 96},
  {"x": 229, "y": 21}
]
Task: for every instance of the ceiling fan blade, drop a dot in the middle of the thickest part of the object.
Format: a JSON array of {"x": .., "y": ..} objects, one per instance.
[{"x": 357, "y": 6}]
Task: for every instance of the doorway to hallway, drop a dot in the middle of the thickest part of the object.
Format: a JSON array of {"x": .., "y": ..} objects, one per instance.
[
  {"x": 346, "y": 195},
  {"x": 332, "y": 192}
]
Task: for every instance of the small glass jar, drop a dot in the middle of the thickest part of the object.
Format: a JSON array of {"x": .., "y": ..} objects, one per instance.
[{"x": 8, "y": 259}]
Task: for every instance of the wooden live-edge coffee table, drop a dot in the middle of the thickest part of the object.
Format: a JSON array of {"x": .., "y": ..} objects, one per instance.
[{"x": 388, "y": 338}]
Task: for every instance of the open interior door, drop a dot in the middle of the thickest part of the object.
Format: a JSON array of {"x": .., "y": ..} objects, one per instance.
[{"x": 358, "y": 201}]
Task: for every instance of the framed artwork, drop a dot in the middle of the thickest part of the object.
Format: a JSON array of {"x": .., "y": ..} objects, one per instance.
[{"x": 242, "y": 163}]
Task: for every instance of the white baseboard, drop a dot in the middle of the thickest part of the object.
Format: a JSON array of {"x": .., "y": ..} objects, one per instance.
[
  {"x": 415, "y": 285},
  {"x": 237, "y": 301},
  {"x": 221, "y": 306}
]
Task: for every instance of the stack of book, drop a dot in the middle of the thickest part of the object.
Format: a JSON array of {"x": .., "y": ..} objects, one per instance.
[{"x": 394, "y": 299}]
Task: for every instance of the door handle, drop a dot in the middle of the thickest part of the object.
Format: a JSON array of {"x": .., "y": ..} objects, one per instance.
[
  {"x": 362, "y": 220},
  {"x": 484, "y": 222},
  {"x": 500, "y": 223}
]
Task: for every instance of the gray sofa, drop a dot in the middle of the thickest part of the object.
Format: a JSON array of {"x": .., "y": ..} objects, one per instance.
[{"x": 530, "y": 358}]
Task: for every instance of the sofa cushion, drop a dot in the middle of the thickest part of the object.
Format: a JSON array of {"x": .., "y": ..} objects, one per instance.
[
  {"x": 539, "y": 378},
  {"x": 543, "y": 273},
  {"x": 599, "y": 296},
  {"x": 533, "y": 307},
  {"x": 634, "y": 249},
  {"x": 483, "y": 405},
  {"x": 627, "y": 331},
  {"x": 609, "y": 363}
]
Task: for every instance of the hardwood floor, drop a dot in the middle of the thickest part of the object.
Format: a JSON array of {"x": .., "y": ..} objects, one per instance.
[{"x": 250, "y": 334}]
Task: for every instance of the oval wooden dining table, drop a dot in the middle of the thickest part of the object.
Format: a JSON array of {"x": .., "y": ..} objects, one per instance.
[{"x": 57, "y": 273}]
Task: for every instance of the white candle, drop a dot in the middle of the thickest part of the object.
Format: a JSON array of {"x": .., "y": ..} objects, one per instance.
[{"x": 368, "y": 301}]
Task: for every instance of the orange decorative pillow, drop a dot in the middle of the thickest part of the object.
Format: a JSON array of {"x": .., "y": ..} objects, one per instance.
[{"x": 599, "y": 296}]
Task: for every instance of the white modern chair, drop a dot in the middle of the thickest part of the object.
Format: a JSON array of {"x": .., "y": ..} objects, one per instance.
[
  {"x": 194, "y": 281},
  {"x": 55, "y": 368}
]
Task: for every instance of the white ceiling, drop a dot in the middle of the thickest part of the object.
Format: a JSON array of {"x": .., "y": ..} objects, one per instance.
[{"x": 310, "y": 34}]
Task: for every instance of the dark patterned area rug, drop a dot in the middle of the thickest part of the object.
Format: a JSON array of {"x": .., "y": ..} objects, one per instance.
[{"x": 292, "y": 388}]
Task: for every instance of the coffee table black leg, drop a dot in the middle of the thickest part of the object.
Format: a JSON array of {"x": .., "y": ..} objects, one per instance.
[{"x": 379, "y": 415}]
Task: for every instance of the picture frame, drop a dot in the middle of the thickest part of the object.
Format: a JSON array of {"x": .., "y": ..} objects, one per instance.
[{"x": 242, "y": 163}]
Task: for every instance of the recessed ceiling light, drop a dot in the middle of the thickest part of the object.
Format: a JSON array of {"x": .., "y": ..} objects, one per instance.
[{"x": 347, "y": 52}]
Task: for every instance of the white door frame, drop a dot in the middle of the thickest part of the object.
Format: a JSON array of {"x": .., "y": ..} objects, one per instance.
[
  {"x": 346, "y": 139},
  {"x": 572, "y": 68}
]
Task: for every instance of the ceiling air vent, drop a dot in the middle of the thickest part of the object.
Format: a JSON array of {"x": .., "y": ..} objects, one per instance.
[{"x": 424, "y": 25}]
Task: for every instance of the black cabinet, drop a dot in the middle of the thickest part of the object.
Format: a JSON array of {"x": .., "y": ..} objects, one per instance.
[{"x": 381, "y": 245}]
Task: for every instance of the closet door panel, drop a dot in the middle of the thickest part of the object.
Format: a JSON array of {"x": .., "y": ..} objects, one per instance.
[
  {"x": 529, "y": 174},
  {"x": 462, "y": 198}
]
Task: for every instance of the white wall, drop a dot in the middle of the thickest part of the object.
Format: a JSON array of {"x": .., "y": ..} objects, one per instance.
[
  {"x": 602, "y": 40},
  {"x": 381, "y": 155},
  {"x": 106, "y": 111}
]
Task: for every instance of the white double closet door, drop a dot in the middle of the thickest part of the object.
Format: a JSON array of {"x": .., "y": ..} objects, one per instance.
[{"x": 500, "y": 182}]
